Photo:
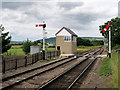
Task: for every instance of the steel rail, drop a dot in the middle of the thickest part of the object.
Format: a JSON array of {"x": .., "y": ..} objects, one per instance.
[
  {"x": 12, "y": 76},
  {"x": 24, "y": 79},
  {"x": 33, "y": 75},
  {"x": 45, "y": 85},
  {"x": 80, "y": 75},
  {"x": 18, "y": 74}
]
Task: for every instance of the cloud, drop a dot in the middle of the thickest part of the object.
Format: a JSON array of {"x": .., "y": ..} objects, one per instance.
[
  {"x": 83, "y": 17},
  {"x": 15, "y": 5},
  {"x": 69, "y": 5},
  {"x": 119, "y": 9}
]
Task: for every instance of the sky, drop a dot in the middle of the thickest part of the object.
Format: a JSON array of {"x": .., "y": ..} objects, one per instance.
[{"x": 83, "y": 17}]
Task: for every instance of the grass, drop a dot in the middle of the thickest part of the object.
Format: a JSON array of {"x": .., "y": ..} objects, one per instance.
[
  {"x": 54, "y": 58},
  {"x": 85, "y": 48},
  {"x": 50, "y": 49},
  {"x": 110, "y": 67},
  {"x": 105, "y": 68},
  {"x": 16, "y": 50}
]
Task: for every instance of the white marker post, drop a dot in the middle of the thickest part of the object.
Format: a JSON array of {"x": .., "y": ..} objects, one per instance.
[{"x": 109, "y": 42}]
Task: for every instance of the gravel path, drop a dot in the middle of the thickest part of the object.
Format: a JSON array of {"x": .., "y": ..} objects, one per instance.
[
  {"x": 37, "y": 81},
  {"x": 93, "y": 79}
]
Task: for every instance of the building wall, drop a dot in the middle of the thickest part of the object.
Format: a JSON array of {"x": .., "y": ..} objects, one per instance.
[
  {"x": 74, "y": 44},
  {"x": 35, "y": 49},
  {"x": 67, "y": 47}
]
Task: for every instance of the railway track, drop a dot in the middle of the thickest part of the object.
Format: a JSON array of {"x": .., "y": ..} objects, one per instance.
[
  {"x": 21, "y": 77},
  {"x": 68, "y": 79}
]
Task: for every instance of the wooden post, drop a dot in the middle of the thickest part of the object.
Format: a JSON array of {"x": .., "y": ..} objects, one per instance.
[
  {"x": 53, "y": 53},
  {"x": 50, "y": 54},
  {"x": 16, "y": 64},
  {"x": 37, "y": 56},
  {"x": 3, "y": 65},
  {"x": 57, "y": 52},
  {"x": 32, "y": 59},
  {"x": 25, "y": 61}
]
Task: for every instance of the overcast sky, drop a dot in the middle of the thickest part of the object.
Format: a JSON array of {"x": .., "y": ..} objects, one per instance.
[{"x": 83, "y": 17}]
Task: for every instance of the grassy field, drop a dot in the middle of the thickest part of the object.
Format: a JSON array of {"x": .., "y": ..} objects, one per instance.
[
  {"x": 110, "y": 68},
  {"x": 16, "y": 50},
  {"x": 85, "y": 48}
]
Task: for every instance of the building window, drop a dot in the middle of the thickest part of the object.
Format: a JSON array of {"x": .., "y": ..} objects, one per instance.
[{"x": 67, "y": 38}]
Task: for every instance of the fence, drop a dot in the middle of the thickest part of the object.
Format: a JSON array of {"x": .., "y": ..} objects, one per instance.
[{"x": 23, "y": 61}]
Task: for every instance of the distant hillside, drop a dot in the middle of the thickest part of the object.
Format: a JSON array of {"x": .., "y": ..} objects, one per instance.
[
  {"x": 16, "y": 42},
  {"x": 50, "y": 40},
  {"x": 93, "y": 38},
  {"x": 53, "y": 39}
]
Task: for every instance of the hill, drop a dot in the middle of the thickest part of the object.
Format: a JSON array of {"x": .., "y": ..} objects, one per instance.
[
  {"x": 53, "y": 39},
  {"x": 16, "y": 42}
]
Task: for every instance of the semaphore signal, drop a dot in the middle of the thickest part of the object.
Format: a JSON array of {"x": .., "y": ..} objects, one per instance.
[
  {"x": 42, "y": 25},
  {"x": 106, "y": 28}
]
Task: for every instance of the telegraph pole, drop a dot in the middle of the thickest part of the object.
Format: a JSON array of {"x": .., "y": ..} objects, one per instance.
[{"x": 109, "y": 42}]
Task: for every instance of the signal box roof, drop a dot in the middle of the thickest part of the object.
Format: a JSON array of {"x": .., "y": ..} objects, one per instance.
[{"x": 67, "y": 29}]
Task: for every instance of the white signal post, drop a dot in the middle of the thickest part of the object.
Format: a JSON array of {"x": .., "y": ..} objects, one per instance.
[
  {"x": 43, "y": 25},
  {"x": 43, "y": 43},
  {"x": 108, "y": 27},
  {"x": 109, "y": 42},
  {"x": 44, "y": 39}
]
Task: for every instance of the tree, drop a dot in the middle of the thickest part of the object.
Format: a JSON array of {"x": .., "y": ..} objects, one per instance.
[
  {"x": 97, "y": 42},
  {"x": 115, "y": 31},
  {"x": 84, "y": 42},
  {"x": 35, "y": 43},
  {"x": 38, "y": 41},
  {"x": 26, "y": 46},
  {"x": 5, "y": 40}
]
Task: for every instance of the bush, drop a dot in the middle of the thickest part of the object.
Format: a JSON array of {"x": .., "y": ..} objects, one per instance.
[
  {"x": 26, "y": 46},
  {"x": 83, "y": 42},
  {"x": 97, "y": 42}
]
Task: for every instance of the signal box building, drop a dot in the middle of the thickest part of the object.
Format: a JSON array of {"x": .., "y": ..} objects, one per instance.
[{"x": 66, "y": 41}]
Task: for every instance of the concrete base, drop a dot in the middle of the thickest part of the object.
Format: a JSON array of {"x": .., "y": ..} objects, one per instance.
[
  {"x": 66, "y": 55},
  {"x": 101, "y": 56}
]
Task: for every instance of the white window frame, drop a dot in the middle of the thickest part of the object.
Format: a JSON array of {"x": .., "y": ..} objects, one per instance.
[{"x": 67, "y": 38}]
